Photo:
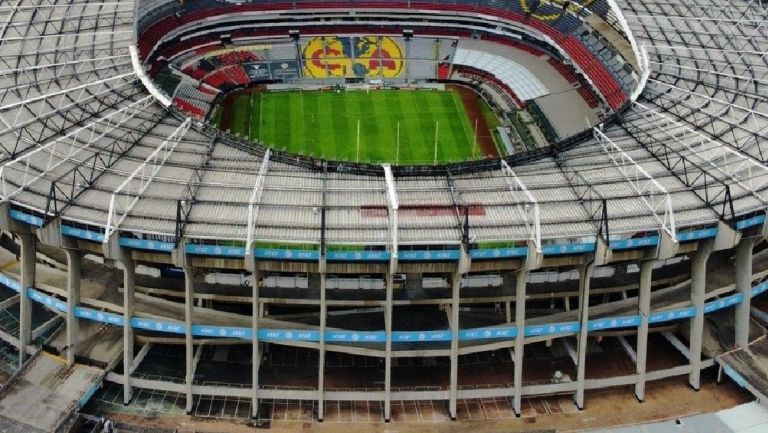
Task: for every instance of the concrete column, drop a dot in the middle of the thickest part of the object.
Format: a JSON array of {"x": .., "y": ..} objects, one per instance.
[
  {"x": 256, "y": 352},
  {"x": 129, "y": 285},
  {"x": 74, "y": 262},
  {"x": 189, "y": 291},
  {"x": 585, "y": 275},
  {"x": 698, "y": 292},
  {"x": 454, "y": 385},
  {"x": 743, "y": 264},
  {"x": 388, "y": 350},
  {"x": 644, "y": 310},
  {"x": 321, "y": 356},
  {"x": 520, "y": 288},
  {"x": 28, "y": 260}
]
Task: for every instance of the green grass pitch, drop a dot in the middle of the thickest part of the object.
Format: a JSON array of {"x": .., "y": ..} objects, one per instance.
[{"x": 325, "y": 124}]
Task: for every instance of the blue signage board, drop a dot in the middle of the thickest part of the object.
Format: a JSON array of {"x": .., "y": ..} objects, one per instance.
[
  {"x": 429, "y": 256},
  {"x": 558, "y": 250},
  {"x": 498, "y": 253},
  {"x": 750, "y": 222},
  {"x": 357, "y": 256},
  {"x": 26, "y": 218},
  {"x": 143, "y": 244},
  {"x": 280, "y": 254},
  {"x": 214, "y": 250},
  {"x": 632, "y": 243},
  {"x": 87, "y": 235}
]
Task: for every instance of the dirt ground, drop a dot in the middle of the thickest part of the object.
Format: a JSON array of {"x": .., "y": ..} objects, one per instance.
[
  {"x": 471, "y": 102},
  {"x": 665, "y": 400}
]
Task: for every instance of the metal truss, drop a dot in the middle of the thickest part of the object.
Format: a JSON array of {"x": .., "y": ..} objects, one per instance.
[
  {"x": 184, "y": 204},
  {"x": 255, "y": 200},
  {"x": 456, "y": 206},
  {"x": 741, "y": 169},
  {"x": 752, "y": 125},
  {"x": 393, "y": 204},
  {"x": 70, "y": 64},
  {"x": 57, "y": 112},
  {"x": 713, "y": 191},
  {"x": 527, "y": 208},
  {"x": 67, "y": 187},
  {"x": 62, "y": 101},
  {"x": 128, "y": 193},
  {"x": 648, "y": 189},
  {"x": 593, "y": 202},
  {"x": 62, "y": 149}
]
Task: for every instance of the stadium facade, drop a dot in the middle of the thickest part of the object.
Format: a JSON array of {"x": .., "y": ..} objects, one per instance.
[{"x": 102, "y": 164}]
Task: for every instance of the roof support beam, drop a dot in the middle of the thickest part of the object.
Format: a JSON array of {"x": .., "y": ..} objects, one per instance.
[
  {"x": 655, "y": 196},
  {"x": 743, "y": 170},
  {"x": 125, "y": 196},
  {"x": 393, "y": 204},
  {"x": 65, "y": 148},
  {"x": 526, "y": 208},
  {"x": 253, "y": 202}
]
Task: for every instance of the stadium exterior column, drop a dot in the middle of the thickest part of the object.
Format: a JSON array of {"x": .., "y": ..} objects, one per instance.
[
  {"x": 454, "y": 386},
  {"x": 28, "y": 258},
  {"x": 255, "y": 352},
  {"x": 585, "y": 275},
  {"x": 74, "y": 262},
  {"x": 644, "y": 311},
  {"x": 189, "y": 291},
  {"x": 129, "y": 285},
  {"x": 388, "y": 349},
  {"x": 743, "y": 264},
  {"x": 321, "y": 356},
  {"x": 698, "y": 292},
  {"x": 520, "y": 293}
]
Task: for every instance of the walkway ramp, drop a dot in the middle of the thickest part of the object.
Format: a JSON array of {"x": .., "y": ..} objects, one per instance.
[
  {"x": 46, "y": 392},
  {"x": 747, "y": 366}
]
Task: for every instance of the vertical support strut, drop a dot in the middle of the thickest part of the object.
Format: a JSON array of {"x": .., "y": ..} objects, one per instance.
[
  {"x": 698, "y": 292},
  {"x": 585, "y": 275},
  {"x": 454, "y": 385},
  {"x": 255, "y": 350},
  {"x": 388, "y": 349},
  {"x": 28, "y": 259},
  {"x": 74, "y": 260},
  {"x": 520, "y": 293},
  {"x": 644, "y": 311},
  {"x": 129, "y": 285},
  {"x": 321, "y": 356},
  {"x": 743, "y": 264},
  {"x": 189, "y": 291}
]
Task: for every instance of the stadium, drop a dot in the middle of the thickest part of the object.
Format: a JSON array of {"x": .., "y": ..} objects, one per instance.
[{"x": 518, "y": 214}]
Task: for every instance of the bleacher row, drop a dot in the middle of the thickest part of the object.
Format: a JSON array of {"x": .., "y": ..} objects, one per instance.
[
  {"x": 582, "y": 87},
  {"x": 195, "y": 101},
  {"x": 601, "y": 70}
]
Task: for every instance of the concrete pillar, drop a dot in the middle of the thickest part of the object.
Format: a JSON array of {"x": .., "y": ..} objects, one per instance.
[
  {"x": 189, "y": 291},
  {"x": 28, "y": 261},
  {"x": 585, "y": 275},
  {"x": 698, "y": 292},
  {"x": 129, "y": 285},
  {"x": 388, "y": 349},
  {"x": 74, "y": 262},
  {"x": 321, "y": 355},
  {"x": 454, "y": 385},
  {"x": 644, "y": 310},
  {"x": 520, "y": 294},
  {"x": 256, "y": 352},
  {"x": 743, "y": 264}
]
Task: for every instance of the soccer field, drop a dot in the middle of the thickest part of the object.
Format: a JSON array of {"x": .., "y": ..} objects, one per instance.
[{"x": 325, "y": 124}]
